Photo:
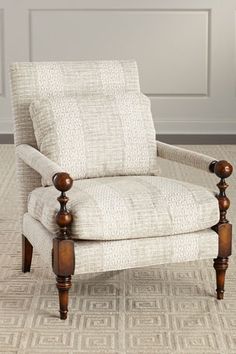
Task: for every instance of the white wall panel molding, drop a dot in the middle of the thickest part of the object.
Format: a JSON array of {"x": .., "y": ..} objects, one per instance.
[
  {"x": 2, "y": 56},
  {"x": 6, "y": 125},
  {"x": 171, "y": 46},
  {"x": 234, "y": 48},
  {"x": 185, "y": 49}
]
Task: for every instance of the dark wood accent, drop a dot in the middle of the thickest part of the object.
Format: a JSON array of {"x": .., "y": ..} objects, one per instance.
[
  {"x": 63, "y": 286},
  {"x": 63, "y": 257},
  {"x": 222, "y": 169},
  {"x": 27, "y": 252},
  {"x": 212, "y": 166},
  {"x": 225, "y": 239},
  {"x": 220, "y": 265}
]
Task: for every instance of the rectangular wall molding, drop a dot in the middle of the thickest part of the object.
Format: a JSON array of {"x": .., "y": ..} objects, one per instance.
[
  {"x": 168, "y": 68},
  {"x": 2, "y": 74},
  {"x": 184, "y": 51}
]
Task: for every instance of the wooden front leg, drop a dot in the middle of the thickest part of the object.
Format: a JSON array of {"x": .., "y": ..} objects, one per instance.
[
  {"x": 63, "y": 257},
  {"x": 223, "y": 170}
]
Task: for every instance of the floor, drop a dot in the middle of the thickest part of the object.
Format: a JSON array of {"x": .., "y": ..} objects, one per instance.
[{"x": 168, "y": 309}]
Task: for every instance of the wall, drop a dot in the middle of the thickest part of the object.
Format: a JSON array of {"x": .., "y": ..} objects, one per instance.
[{"x": 184, "y": 49}]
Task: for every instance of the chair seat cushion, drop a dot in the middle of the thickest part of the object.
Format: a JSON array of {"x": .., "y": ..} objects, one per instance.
[{"x": 128, "y": 207}]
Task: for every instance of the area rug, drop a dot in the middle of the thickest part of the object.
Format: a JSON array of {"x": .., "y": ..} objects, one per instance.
[{"x": 169, "y": 309}]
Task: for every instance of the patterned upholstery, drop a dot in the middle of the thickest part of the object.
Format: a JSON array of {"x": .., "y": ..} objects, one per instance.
[
  {"x": 36, "y": 80},
  {"x": 184, "y": 156},
  {"x": 39, "y": 162},
  {"x": 113, "y": 208},
  {"x": 45, "y": 167},
  {"x": 97, "y": 136},
  {"x": 101, "y": 256}
]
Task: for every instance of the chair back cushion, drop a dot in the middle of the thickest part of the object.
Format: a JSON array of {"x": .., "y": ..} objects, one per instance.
[
  {"x": 97, "y": 136},
  {"x": 36, "y": 80}
]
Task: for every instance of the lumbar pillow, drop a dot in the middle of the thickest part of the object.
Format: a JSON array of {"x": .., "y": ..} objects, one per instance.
[{"x": 96, "y": 136}]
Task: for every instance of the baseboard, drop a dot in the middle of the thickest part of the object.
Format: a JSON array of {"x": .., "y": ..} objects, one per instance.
[
  {"x": 6, "y": 139},
  {"x": 190, "y": 139},
  {"x": 197, "y": 139}
]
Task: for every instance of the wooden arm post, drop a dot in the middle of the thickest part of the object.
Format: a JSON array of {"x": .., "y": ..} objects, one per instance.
[
  {"x": 223, "y": 170},
  {"x": 63, "y": 258}
]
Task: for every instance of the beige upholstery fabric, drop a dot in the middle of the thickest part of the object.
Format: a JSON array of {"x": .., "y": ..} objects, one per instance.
[
  {"x": 97, "y": 136},
  {"x": 100, "y": 256},
  {"x": 113, "y": 208},
  {"x": 40, "y": 163},
  {"x": 36, "y": 80},
  {"x": 184, "y": 156}
]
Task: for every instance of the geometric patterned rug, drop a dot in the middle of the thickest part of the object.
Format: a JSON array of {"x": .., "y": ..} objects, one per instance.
[{"x": 169, "y": 309}]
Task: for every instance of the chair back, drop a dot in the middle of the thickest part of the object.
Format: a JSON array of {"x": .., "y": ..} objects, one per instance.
[{"x": 34, "y": 80}]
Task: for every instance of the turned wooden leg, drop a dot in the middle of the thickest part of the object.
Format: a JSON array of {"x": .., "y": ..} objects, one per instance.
[
  {"x": 63, "y": 286},
  {"x": 27, "y": 252},
  {"x": 222, "y": 169},
  {"x": 63, "y": 256},
  {"x": 220, "y": 265}
]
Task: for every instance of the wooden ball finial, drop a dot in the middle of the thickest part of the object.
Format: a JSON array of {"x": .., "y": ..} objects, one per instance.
[
  {"x": 223, "y": 169},
  {"x": 62, "y": 181}
]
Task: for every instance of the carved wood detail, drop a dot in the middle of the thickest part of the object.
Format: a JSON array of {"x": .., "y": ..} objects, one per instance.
[
  {"x": 63, "y": 259},
  {"x": 223, "y": 170}
]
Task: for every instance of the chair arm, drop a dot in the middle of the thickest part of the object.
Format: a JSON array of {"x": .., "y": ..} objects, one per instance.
[
  {"x": 186, "y": 157},
  {"x": 39, "y": 162}
]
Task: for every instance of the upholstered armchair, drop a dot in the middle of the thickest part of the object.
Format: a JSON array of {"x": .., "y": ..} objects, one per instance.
[{"x": 90, "y": 195}]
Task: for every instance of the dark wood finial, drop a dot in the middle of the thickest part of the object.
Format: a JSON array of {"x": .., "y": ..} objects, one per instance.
[
  {"x": 63, "y": 182},
  {"x": 222, "y": 169},
  {"x": 212, "y": 166}
]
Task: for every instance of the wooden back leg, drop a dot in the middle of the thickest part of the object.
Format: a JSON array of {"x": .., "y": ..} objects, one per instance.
[{"x": 27, "y": 252}]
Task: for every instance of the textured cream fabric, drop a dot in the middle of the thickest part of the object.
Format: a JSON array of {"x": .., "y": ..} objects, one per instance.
[
  {"x": 100, "y": 256},
  {"x": 36, "y": 80},
  {"x": 184, "y": 156},
  {"x": 38, "y": 162},
  {"x": 97, "y": 136},
  {"x": 113, "y": 208}
]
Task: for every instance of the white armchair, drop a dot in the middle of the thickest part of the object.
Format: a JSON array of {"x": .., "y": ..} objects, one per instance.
[{"x": 115, "y": 213}]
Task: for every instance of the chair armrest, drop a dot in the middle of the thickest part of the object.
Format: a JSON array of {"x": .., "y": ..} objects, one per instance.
[
  {"x": 39, "y": 162},
  {"x": 186, "y": 157}
]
